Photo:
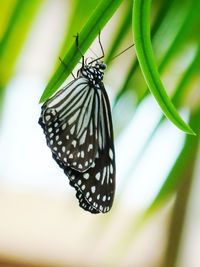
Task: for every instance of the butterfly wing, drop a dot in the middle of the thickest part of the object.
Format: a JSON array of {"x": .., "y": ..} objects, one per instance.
[
  {"x": 78, "y": 128},
  {"x": 70, "y": 120},
  {"x": 96, "y": 186}
]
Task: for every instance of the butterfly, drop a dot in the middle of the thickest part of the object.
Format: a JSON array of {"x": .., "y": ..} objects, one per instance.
[{"x": 78, "y": 127}]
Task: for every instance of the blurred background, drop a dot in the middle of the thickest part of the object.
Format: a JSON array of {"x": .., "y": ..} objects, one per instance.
[{"x": 156, "y": 214}]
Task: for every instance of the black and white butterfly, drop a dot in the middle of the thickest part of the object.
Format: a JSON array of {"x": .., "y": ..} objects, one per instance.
[{"x": 78, "y": 127}]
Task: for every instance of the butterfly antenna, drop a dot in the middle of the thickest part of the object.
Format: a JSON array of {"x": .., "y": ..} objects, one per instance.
[
  {"x": 102, "y": 50},
  {"x": 122, "y": 51}
]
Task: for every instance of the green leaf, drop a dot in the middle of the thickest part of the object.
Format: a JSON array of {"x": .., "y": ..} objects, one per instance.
[
  {"x": 182, "y": 166},
  {"x": 176, "y": 173},
  {"x": 6, "y": 11},
  {"x": 171, "y": 182},
  {"x": 157, "y": 22},
  {"x": 14, "y": 36},
  {"x": 189, "y": 18},
  {"x": 187, "y": 76},
  {"x": 183, "y": 191},
  {"x": 144, "y": 51},
  {"x": 96, "y": 22},
  {"x": 78, "y": 17}
]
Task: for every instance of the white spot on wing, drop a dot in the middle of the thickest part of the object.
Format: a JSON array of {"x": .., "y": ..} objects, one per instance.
[
  {"x": 97, "y": 176},
  {"x": 111, "y": 153},
  {"x": 48, "y": 117},
  {"x": 93, "y": 189},
  {"x": 64, "y": 126},
  {"x": 111, "y": 169},
  {"x": 72, "y": 130},
  {"x": 80, "y": 166},
  {"x": 90, "y": 147},
  {"x": 83, "y": 187},
  {"x": 74, "y": 143},
  {"x": 86, "y": 175},
  {"x": 104, "y": 174}
]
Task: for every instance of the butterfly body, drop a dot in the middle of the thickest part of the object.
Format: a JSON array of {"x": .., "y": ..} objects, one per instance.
[
  {"x": 93, "y": 73},
  {"x": 78, "y": 128}
]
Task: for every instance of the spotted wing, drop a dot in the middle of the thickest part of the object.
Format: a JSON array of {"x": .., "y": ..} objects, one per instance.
[
  {"x": 96, "y": 186},
  {"x": 70, "y": 120}
]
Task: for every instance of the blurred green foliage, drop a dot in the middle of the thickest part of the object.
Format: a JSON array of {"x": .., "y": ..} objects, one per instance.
[{"x": 174, "y": 34}]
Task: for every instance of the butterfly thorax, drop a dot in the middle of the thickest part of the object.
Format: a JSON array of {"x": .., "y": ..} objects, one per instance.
[{"x": 94, "y": 73}]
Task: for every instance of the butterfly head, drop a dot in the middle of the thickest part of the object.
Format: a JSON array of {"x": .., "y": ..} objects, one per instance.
[
  {"x": 93, "y": 71},
  {"x": 100, "y": 65}
]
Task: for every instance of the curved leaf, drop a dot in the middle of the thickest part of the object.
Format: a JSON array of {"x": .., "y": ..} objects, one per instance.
[
  {"x": 96, "y": 22},
  {"x": 144, "y": 51},
  {"x": 157, "y": 22}
]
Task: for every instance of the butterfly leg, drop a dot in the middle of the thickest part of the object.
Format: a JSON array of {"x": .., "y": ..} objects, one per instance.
[
  {"x": 77, "y": 45},
  {"x": 66, "y": 67}
]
